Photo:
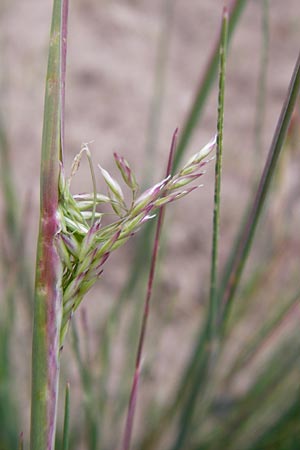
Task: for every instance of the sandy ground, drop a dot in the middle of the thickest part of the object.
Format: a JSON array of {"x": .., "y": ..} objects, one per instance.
[{"x": 110, "y": 86}]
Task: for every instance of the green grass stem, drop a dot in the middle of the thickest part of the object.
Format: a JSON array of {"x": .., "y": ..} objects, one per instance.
[
  {"x": 213, "y": 299},
  {"x": 48, "y": 289}
]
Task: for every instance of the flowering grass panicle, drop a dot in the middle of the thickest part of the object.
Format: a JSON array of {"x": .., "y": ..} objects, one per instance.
[{"x": 84, "y": 244}]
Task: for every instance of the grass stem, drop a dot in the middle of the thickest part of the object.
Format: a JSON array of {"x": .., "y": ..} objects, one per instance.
[
  {"x": 48, "y": 285},
  {"x": 213, "y": 299}
]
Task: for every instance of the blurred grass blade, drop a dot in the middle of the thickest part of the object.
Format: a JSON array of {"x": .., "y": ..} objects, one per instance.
[
  {"x": 284, "y": 433},
  {"x": 66, "y": 431},
  {"x": 264, "y": 334},
  {"x": 270, "y": 383},
  {"x": 213, "y": 299},
  {"x": 9, "y": 417},
  {"x": 48, "y": 291},
  {"x": 206, "y": 83},
  {"x": 7, "y": 185},
  {"x": 12, "y": 223},
  {"x": 241, "y": 249}
]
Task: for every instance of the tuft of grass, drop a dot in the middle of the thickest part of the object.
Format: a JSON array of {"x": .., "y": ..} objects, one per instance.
[{"x": 75, "y": 241}]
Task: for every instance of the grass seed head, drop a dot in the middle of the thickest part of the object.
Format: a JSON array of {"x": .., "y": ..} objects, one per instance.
[{"x": 84, "y": 244}]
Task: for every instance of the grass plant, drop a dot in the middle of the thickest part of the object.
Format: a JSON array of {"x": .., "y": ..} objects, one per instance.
[{"x": 77, "y": 235}]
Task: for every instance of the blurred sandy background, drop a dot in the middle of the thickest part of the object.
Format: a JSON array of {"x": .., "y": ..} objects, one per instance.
[{"x": 113, "y": 48}]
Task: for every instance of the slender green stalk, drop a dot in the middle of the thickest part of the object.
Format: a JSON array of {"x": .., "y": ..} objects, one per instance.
[
  {"x": 48, "y": 289},
  {"x": 243, "y": 245},
  {"x": 213, "y": 299},
  {"x": 188, "y": 409},
  {"x": 66, "y": 432}
]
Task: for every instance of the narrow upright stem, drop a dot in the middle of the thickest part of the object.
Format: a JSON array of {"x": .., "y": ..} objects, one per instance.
[
  {"x": 48, "y": 290},
  {"x": 212, "y": 331},
  {"x": 213, "y": 300},
  {"x": 135, "y": 383}
]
